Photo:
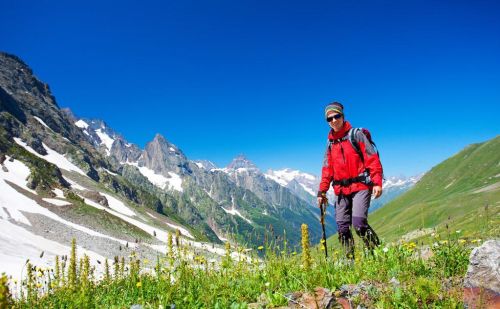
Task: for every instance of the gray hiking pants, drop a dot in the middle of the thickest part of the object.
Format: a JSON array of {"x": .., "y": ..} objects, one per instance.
[{"x": 352, "y": 209}]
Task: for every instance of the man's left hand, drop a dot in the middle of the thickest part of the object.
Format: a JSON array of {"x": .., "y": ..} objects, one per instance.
[{"x": 377, "y": 191}]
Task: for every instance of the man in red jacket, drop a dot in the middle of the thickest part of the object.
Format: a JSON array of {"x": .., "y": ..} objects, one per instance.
[{"x": 353, "y": 167}]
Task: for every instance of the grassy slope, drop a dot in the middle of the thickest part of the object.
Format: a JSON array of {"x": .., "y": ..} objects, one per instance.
[{"x": 448, "y": 194}]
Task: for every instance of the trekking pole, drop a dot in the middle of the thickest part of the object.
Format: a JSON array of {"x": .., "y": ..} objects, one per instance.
[{"x": 323, "y": 205}]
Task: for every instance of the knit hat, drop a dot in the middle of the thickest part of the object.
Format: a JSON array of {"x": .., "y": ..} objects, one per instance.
[{"x": 334, "y": 107}]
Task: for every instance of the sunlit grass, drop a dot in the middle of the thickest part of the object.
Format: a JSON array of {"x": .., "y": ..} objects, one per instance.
[{"x": 190, "y": 281}]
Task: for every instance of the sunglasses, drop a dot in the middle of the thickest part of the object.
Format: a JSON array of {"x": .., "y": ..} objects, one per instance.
[{"x": 336, "y": 116}]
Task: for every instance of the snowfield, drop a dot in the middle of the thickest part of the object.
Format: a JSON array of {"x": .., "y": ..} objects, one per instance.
[
  {"x": 118, "y": 205},
  {"x": 234, "y": 211},
  {"x": 162, "y": 182},
  {"x": 52, "y": 156},
  {"x": 56, "y": 202},
  {"x": 14, "y": 203},
  {"x": 18, "y": 244},
  {"x": 106, "y": 140},
  {"x": 160, "y": 234},
  {"x": 81, "y": 124}
]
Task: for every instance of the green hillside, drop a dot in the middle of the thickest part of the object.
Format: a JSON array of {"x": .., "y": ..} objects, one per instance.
[{"x": 462, "y": 192}]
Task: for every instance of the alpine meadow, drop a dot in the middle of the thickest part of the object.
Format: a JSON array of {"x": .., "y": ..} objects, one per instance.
[{"x": 264, "y": 154}]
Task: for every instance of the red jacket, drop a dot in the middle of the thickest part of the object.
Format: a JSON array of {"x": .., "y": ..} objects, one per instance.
[{"x": 343, "y": 162}]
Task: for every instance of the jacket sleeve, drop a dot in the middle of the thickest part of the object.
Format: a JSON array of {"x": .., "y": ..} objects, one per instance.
[
  {"x": 326, "y": 172},
  {"x": 371, "y": 158}
]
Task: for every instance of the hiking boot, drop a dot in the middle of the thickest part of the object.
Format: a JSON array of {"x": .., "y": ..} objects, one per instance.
[{"x": 347, "y": 242}]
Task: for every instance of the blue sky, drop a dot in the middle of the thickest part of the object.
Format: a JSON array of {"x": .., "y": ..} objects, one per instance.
[{"x": 219, "y": 78}]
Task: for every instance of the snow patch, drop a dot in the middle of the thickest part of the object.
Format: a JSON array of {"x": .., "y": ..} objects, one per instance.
[
  {"x": 106, "y": 140},
  {"x": 280, "y": 181},
  {"x": 110, "y": 172},
  {"x": 233, "y": 211},
  {"x": 42, "y": 122},
  {"x": 160, "y": 235},
  {"x": 74, "y": 184},
  {"x": 18, "y": 244},
  {"x": 15, "y": 203},
  {"x": 58, "y": 192},
  {"x": 118, "y": 205},
  {"x": 82, "y": 124},
  {"x": 52, "y": 156},
  {"x": 162, "y": 182},
  {"x": 307, "y": 189},
  {"x": 17, "y": 173},
  {"x": 175, "y": 182},
  {"x": 56, "y": 202}
]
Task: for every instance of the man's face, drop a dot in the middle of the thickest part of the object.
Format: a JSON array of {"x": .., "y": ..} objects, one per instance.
[{"x": 335, "y": 120}]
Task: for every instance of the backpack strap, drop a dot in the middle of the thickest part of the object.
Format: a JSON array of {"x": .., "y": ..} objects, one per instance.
[{"x": 354, "y": 142}]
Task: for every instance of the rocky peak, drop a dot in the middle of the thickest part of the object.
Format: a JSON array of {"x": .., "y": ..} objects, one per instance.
[
  {"x": 162, "y": 157},
  {"x": 23, "y": 95},
  {"x": 242, "y": 162},
  {"x": 18, "y": 80},
  {"x": 205, "y": 164},
  {"x": 124, "y": 151},
  {"x": 160, "y": 143}
]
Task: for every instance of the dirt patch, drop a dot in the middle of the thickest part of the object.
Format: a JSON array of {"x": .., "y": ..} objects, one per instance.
[{"x": 491, "y": 187}]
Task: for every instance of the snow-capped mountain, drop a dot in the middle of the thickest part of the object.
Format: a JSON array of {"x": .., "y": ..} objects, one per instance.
[
  {"x": 63, "y": 177},
  {"x": 242, "y": 163},
  {"x": 99, "y": 133},
  {"x": 285, "y": 176},
  {"x": 393, "y": 187},
  {"x": 205, "y": 164},
  {"x": 300, "y": 183}
]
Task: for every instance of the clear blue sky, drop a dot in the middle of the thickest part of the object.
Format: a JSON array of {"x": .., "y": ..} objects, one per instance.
[{"x": 219, "y": 78}]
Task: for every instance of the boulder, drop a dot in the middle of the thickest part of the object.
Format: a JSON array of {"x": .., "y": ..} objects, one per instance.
[
  {"x": 96, "y": 197},
  {"x": 482, "y": 281},
  {"x": 320, "y": 298}
]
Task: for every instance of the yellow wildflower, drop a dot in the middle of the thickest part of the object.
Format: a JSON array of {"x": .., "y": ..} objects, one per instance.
[
  {"x": 139, "y": 284},
  {"x": 260, "y": 247}
]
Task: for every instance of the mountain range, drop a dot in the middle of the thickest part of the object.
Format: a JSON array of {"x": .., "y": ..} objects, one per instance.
[{"x": 63, "y": 176}]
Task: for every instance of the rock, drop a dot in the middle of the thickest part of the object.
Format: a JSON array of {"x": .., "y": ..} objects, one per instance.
[
  {"x": 482, "y": 281},
  {"x": 96, "y": 197},
  {"x": 394, "y": 282},
  {"x": 321, "y": 298},
  {"x": 136, "y": 307},
  {"x": 425, "y": 253},
  {"x": 355, "y": 289}
]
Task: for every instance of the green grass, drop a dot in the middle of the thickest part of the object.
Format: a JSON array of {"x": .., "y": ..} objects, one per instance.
[
  {"x": 106, "y": 222},
  {"x": 449, "y": 194},
  {"x": 234, "y": 283}
]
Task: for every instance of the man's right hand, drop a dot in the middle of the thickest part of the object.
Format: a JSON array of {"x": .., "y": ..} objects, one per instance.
[
  {"x": 320, "y": 202},
  {"x": 322, "y": 199}
]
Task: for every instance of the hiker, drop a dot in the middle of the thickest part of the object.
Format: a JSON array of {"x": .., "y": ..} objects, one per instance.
[{"x": 353, "y": 167}]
